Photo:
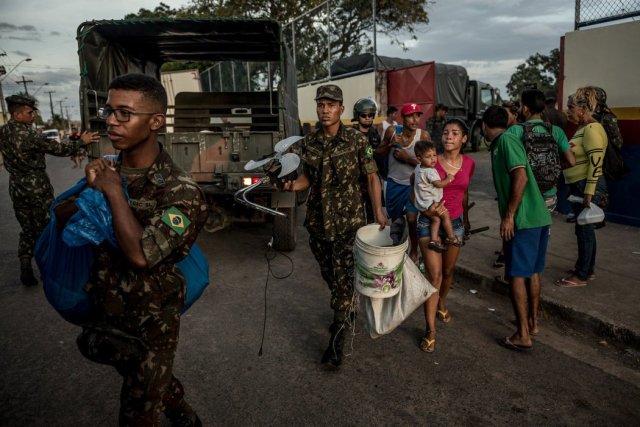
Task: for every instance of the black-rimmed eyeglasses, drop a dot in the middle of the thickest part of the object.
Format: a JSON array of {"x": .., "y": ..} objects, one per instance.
[
  {"x": 367, "y": 115},
  {"x": 121, "y": 115}
]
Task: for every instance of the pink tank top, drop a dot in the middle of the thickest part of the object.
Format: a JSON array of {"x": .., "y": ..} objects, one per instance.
[{"x": 454, "y": 192}]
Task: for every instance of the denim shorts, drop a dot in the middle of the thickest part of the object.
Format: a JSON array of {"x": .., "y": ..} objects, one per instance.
[{"x": 424, "y": 227}]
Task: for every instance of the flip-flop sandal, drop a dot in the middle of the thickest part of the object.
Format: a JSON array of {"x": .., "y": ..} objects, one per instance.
[
  {"x": 506, "y": 343},
  {"x": 564, "y": 283},
  {"x": 444, "y": 316},
  {"x": 453, "y": 242},
  {"x": 427, "y": 345}
]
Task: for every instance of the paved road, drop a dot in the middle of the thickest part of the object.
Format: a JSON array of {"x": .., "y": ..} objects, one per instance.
[{"x": 567, "y": 380}]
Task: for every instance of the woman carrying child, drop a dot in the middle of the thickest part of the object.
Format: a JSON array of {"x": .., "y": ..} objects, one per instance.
[
  {"x": 427, "y": 190},
  {"x": 441, "y": 265}
]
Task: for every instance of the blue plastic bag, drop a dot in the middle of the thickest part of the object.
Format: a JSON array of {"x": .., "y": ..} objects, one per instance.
[
  {"x": 65, "y": 258},
  {"x": 65, "y": 269},
  {"x": 93, "y": 223},
  {"x": 195, "y": 269}
]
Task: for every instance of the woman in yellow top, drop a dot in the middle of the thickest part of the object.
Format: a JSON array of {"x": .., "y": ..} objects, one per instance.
[{"x": 585, "y": 180}]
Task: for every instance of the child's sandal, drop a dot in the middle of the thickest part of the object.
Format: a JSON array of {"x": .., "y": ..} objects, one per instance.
[
  {"x": 437, "y": 246},
  {"x": 454, "y": 242}
]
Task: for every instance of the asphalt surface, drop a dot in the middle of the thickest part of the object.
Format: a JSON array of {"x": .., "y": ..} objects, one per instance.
[{"x": 570, "y": 378}]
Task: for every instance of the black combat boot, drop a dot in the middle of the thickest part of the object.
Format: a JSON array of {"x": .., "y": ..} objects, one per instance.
[
  {"x": 332, "y": 357},
  {"x": 177, "y": 410},
  {"x": 26, "y": 272}
]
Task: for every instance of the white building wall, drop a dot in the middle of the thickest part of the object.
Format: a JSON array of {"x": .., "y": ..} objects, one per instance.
[
  {"x": 608, "y": 57},
  {"x": 353, "y": 88}
]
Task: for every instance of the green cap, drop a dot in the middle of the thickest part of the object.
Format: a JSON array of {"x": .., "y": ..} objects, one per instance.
[
  {"x": 22, "y": 100},
  {"x": 330, "y": 92}
]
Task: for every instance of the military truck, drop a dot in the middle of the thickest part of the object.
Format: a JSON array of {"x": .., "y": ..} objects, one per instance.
[
  {"x": 247, "y": 105},
  {"x": 396, "y": 81}
]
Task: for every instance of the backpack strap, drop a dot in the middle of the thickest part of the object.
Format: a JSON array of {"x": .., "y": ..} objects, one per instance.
[
  {"x": 548, "y": 126},
  {"x": 528, "y": 127}
]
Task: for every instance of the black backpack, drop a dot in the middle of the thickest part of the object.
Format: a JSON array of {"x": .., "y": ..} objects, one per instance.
[
  {"x": 613, "y": 166},
  {"x": 543, "y": 154}
]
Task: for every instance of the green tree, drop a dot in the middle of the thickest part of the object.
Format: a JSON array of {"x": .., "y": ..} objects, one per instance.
[
  {"x": 349, "y": 24},
  {"x": 539, "y": 71},
  {"x": 161, "y": 11}
]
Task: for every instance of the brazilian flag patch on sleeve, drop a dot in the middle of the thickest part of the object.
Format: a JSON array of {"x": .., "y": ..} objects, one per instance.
[
  {"x": 176, "y": 220},
  {"x": 369, "y": 152}
]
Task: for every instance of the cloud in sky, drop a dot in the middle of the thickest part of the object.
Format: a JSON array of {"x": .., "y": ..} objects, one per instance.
[
  {"x": 488, "y": 37},
  {"x": 5, "y": 26}
]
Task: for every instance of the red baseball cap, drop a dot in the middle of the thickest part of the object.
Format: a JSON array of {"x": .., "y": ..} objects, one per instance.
[{"x": 410, "y": 108}]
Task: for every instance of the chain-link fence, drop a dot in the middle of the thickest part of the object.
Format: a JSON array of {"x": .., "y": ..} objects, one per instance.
[{"x": 591, "y": 12}]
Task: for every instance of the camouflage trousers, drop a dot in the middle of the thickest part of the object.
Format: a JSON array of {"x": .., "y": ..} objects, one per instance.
[
  {"x": 32, "y": 212},
  {"x": 337, "y": 267},
  {"x": 140, "y": 343}
]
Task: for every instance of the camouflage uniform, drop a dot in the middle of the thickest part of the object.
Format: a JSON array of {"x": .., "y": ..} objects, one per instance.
[
  {"x": 435, "y": 127},
  {"x": 335, "y": 208},
  {"x": 610, "y": 123},
  {"x": 24, "y": 151},
  {"x": 374, "y": 140},
  {"x": 136, "y": 313}
]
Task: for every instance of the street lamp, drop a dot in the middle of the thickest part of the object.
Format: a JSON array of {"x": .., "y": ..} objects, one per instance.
[
  {"x": 41, "y": 86},
  {"x": 4, "y": 109},
  {"x": 14, "y": 67}
]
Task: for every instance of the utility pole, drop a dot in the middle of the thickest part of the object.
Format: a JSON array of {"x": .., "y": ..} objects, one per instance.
[
  {"x": 24, "y": 82},
  {"x": 51, "y": 102},
  {"x": 4, "y": 111},
  {"x": 66, "y": 109},
  {"x": 2, "y": 72},
  {"x": 61, "y": 113}
]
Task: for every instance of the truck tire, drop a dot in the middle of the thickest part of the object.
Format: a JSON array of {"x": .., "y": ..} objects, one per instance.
[
  {"x": 475, "y": 137},
  {"x": 284, "y": 230}
]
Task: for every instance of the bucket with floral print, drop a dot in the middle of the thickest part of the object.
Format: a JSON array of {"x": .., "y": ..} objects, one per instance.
[{"x": 378, "y": 264}]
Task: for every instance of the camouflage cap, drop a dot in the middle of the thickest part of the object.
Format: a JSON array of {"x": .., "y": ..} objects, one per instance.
[
  {"x": 22, "y": 100},
  {"x": 330, "y": 92}
]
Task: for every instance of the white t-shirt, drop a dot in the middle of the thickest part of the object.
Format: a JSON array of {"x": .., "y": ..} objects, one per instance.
[
  {"x": 425, "y": 192},
  {"x": 401, "y": 172}
]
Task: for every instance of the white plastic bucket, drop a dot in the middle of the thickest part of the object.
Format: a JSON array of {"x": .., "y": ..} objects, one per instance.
[{"x": 378, "y": 264}]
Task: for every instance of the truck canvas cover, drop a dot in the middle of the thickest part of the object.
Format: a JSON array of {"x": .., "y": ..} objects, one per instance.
[
  {"x": 109, "y": 48},
  {"x": 450, "y": 80}
]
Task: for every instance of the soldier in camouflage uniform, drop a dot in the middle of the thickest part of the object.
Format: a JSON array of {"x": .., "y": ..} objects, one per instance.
[
  {"x": 435, "y": 126},
  {"x": 364, "y": 111},
  {"x": 136, "y": 290},
  {"x": 334, "y": 159},
  {"x": 24, "y": 149}
]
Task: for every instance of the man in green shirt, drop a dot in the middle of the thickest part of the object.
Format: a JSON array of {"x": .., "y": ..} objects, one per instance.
[
  {"x": 524, "y": 227},
  {"x": 532, "y": 103}
]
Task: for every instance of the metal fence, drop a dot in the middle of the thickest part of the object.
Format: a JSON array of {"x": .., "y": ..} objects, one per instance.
[{"x": 592, "y": 12}]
